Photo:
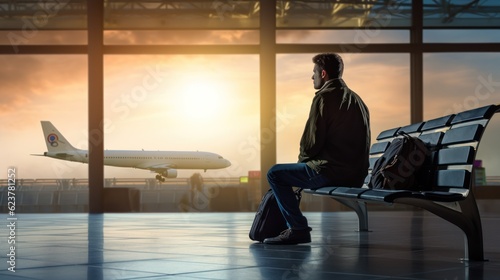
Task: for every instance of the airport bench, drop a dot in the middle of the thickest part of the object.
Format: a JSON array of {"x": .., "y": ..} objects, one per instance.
[{"x": 448, "y": 172}]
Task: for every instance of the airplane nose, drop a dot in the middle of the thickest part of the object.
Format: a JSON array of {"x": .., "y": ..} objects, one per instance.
[{"x": 227, "y": 163}]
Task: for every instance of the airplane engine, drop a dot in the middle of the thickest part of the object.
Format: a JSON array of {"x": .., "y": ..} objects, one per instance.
[{"x": 171, "y": 173}]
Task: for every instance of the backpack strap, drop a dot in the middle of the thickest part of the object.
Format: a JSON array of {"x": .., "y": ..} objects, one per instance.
[{"x": 298, "y": 193}]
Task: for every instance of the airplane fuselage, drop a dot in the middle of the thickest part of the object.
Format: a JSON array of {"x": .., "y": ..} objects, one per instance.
[{"x": 150, "y": 159}]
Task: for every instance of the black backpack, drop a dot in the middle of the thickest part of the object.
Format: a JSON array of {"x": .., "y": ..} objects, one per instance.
[
  {"x": 268, "y": 221},
  {"x": 400, "y": 165}
]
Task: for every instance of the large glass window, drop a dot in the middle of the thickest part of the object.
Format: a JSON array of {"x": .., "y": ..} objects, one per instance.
[
  {"x": 360, "y": 37},
  {"x": 455, "y": 82},
  {"x": 175, "y": 97},
  {"x": 39, "y": 88},
  {"x": 461, "y": 13},
  {"x": 461, "y": 36},
  {"x": 15, "y": 38},
  {"x": 175, "y": 15},
  {"x": 184, "y": 103},
  {"x": 181, "y": 37},
  {"x": 165, "y": 110},
  {"x": 31, "y": 16},
  {"x": 343, "y": 14}
]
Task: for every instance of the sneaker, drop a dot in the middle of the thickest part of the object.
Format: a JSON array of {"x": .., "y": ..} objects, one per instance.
[{"x": 290, "y": 236}]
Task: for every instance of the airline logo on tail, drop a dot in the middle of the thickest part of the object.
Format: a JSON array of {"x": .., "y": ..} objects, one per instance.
[{"x": 53, "y": 140}]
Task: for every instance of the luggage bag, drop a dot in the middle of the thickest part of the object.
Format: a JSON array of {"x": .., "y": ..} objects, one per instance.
[{"x": 269, "y": 221}]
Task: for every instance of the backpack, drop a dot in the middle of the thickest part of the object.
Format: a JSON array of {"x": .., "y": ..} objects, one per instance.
[
  {"x": 399, "y": 166},
  {"x": 268, "y": 220}
]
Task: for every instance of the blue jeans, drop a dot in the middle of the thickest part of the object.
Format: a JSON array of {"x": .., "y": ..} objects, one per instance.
[{"x": 282, "y": 177}]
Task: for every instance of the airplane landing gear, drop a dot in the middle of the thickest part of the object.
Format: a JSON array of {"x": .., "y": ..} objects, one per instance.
[{"x": 160, "y": 178}]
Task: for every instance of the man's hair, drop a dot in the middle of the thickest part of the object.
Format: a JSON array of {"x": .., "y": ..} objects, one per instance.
[{"x": 330, "y": 62}]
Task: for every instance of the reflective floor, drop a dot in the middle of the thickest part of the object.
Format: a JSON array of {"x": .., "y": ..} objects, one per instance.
[{"x": 401, "y": 245}]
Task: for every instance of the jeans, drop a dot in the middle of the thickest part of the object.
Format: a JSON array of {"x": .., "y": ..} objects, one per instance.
[{"x": 282, "y": 177}]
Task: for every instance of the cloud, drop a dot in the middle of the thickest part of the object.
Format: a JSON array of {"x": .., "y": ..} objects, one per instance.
[
  {"x": 293, "y": 36},
  {"x": 20, "y": 78},
  {"x": 180, "y": 37},
  {"x": 36, "y": 73},
  {"x": 199, "y": 37},
  {"x": 43, "y": 37},
  {"x": 35, "y": 86},
  {"x": 14, "y": 67}
]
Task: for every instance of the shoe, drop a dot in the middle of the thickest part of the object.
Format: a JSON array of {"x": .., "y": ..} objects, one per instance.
[{"x": 290, "y": 237}]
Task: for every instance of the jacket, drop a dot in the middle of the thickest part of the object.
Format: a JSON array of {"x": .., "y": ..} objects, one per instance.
[{"x": 336, "y": 138}]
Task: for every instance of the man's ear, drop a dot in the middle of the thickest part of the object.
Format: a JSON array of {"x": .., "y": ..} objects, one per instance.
[{"x": 324, "y": 75}]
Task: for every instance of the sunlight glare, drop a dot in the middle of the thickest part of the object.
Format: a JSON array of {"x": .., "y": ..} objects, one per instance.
[{"x": 203, "y": 99}]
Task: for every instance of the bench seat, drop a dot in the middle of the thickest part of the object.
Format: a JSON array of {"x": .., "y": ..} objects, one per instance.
[{"x": 446, "y": 175}]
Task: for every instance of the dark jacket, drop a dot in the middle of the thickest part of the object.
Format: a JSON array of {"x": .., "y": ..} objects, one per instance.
[{"x": 336, "y": 138}]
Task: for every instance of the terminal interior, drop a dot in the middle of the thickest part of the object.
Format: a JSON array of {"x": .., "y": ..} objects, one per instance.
[{"x": 103, "y": 226}]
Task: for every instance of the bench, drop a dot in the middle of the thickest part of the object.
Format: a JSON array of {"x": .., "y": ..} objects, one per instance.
[{"x": 453, "y": 141}]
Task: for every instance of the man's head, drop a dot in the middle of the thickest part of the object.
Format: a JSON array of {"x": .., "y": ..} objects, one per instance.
[{"x": 327, "y": 66}]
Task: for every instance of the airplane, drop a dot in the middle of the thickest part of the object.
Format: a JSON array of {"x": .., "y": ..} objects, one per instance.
[{"x": 164, "y": 163}]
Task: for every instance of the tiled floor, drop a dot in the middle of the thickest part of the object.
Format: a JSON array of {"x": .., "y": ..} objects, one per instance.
[{"x": 402, "y": 245}]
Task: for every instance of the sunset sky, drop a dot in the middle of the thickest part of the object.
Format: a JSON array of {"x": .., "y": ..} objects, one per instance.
[{"x": 211, "y": 102}]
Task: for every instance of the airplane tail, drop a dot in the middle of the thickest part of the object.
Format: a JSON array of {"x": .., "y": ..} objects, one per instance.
[{"x": 54, "y": 139}]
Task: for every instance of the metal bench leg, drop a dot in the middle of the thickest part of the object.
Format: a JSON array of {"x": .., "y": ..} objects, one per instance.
[
  {"x": 466, "y": 218},
  {"x": 472, "y": 229},
  {"x": 360, "y": 208}
]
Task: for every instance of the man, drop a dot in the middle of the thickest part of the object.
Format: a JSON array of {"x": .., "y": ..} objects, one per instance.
[{"x": 333, "y": 149}]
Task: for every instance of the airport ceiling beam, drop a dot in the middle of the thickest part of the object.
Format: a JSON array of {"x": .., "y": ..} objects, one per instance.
[
  {"x": 251, "y": 49},
  {"x": 388, "y": 48},
  {"x": 43, "y": 49}
]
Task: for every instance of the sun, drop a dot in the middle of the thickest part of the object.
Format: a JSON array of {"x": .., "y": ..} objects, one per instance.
[{"x": 203, "y": 99}]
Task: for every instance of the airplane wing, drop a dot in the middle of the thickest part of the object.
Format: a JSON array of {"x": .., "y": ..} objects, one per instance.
[
  {"x": 64, "y": 155},
  {"x": 157, "y": 167}
]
